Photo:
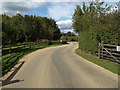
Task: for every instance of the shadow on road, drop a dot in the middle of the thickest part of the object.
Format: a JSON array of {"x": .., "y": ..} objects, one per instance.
[
  {"x": 8, "y": 80},
  {"x": 11, "y": 82}
]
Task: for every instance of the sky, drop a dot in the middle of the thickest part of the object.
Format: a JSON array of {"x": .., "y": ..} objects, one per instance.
[{"x": 60, "y": 10}]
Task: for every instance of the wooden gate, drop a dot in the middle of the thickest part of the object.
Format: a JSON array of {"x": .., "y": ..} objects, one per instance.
[{"x": 109, "y": 52}]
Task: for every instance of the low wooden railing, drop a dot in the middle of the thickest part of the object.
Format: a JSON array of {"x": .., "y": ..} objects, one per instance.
[{"x": 15, "y": 48}]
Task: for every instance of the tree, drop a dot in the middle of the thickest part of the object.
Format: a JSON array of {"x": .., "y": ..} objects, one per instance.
[
  {"x": 28, "y": 28},
  {"x": 95, "y": 24},
  {"x": 77, "y": 18}
]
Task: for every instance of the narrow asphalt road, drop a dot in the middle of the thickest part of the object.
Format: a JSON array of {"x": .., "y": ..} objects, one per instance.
[{"x": 60, "y": 67}]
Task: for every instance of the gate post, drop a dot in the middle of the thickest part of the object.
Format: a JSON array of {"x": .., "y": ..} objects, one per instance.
[{"x": 99, "y": 47}]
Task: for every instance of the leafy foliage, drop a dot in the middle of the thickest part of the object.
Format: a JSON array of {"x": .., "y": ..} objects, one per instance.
[
  {"x": 96, "y": 24},
  {"x": 69, "y": 36},
  {"x": 28, "y": 29}
]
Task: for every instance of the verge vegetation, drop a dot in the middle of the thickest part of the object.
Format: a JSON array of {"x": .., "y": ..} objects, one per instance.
[
  {"x": 111, "y": 66},
  {"x": 96, "y": 22}
]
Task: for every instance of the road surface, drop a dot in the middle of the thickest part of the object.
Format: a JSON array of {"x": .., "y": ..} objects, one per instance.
[{"x": 60, "y": 67}]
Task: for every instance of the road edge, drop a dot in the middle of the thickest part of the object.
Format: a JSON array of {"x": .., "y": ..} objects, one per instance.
[{"x": 22, "y": 60}]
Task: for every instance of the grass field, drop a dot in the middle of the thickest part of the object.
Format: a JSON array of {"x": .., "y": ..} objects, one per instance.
[
  {"x": 9, "y": 59},
  {"x": 111, "y": 66}
]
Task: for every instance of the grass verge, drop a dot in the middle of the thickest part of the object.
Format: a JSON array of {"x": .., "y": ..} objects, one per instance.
[
  {"x": 111, "y": 66},
  {"x": 10, "y": 59}
]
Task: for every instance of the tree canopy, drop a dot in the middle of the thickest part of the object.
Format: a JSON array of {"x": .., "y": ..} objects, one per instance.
[
  {"x": 94, "y": 24},
  {"x": 28, "y": 28}
]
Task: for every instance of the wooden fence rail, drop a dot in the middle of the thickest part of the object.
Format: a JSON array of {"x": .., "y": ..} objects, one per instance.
[
  {"x": 109, "y": 52},
  {"x": 16, "y": 48}
]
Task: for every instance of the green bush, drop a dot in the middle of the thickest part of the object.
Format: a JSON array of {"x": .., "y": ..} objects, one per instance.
[
  {"x": 87, "y": 43},
  {"x": 69, "y": 38},
  {"x": 43, "y": 41},
  {"x": 94, "y": 25}
]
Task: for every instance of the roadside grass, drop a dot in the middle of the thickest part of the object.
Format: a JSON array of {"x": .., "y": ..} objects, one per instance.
[
  {"x": 10, "y": 59},
  {"x": 111, "y": 66}
]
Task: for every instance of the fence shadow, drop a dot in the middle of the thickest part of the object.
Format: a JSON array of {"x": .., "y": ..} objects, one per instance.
[
  {"x": 8, "y": 80},
  {"x": 11, "y": 82}
]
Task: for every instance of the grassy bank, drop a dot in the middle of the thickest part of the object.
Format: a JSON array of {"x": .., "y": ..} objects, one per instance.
[
  {"x": 9, "y": 60},
  {"x": 111, "y": 66}
]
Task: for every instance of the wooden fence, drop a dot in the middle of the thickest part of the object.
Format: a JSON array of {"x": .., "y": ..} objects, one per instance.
[
  {"x": 109, "y": 52},
  {"x": 16, "y": 48},
  {"x": 10, "y": 52},
  {"x": 19, "y": 47}
]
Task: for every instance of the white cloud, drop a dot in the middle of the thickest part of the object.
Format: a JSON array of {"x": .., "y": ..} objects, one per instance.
[
  {"x": 57, "y": 11},
  {"x": 67, "y": 30},
  {"x": 23, "y": 0},
  {"x": 57, "y": 0},
  {"x": 65, "y": 26},
  {"x": 61, "y": 10},
  {"x": 11, "y": 8}
]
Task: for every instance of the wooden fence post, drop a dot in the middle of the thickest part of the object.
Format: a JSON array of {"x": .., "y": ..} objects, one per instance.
[
  {"x": 29, "y": 45},
  {"x": 99, "y": 50},
  {"x": 10, "y": 49},
  {"x": 24, "y": 45}
]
